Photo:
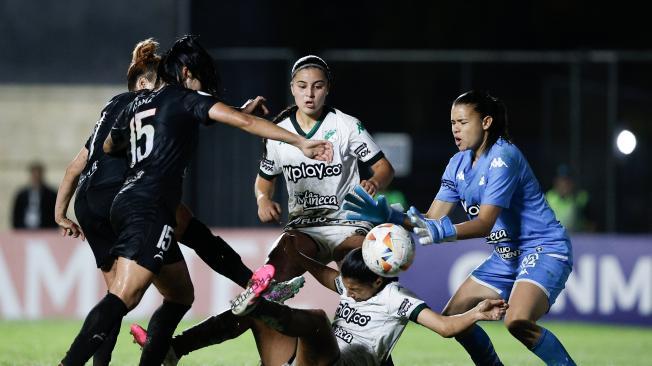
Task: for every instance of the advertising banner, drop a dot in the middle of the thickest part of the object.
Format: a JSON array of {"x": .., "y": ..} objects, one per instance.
[{"x": 44, "y": 275}]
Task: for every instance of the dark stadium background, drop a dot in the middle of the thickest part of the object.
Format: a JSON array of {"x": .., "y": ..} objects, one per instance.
[{"x": 561, "y": 111}]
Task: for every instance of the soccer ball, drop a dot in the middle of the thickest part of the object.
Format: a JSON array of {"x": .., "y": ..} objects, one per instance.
[{"x": 388, "y": 249}]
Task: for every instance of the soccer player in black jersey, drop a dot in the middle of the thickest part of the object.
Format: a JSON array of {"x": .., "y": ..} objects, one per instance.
[
  {"x": 98, "y": 178},
  {"x": 159, "y": 130}
]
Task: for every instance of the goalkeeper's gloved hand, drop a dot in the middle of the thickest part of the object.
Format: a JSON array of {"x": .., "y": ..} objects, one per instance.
[
  {"x": 363, "y": 207},
  {"x": 431, "y": 231}
]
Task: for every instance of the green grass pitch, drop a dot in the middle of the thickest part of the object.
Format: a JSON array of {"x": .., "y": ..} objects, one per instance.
[{"x": 44, "y": 342}]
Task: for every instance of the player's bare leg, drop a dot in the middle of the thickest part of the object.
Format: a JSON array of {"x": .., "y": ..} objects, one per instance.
[
  {"x": 475, "y": 341},
  {"x": 285, "y": 269},
  {"x": 527, "y": 304},
  {"x": 130, "y": 282},
  {"x": 467, "y": 296},
  {"x": 316, "y": 345}
]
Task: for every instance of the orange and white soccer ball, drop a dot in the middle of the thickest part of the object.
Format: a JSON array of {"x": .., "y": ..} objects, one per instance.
[{"x": 388, "y": 249}]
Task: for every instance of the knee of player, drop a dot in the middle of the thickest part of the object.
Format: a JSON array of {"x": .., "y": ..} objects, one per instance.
[
  {"x": 130, "y": 298},
  {"x": 519, "y": 327}
]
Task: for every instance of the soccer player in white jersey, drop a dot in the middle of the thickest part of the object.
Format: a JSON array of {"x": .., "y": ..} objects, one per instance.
[
  {"x": 372, "y": 313},
  {"x": 532, "y": 258},
  {"x": 315, "y": 189}
]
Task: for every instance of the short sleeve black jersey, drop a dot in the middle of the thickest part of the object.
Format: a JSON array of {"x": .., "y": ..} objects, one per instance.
[
  {"x": 162, "y": 129},
  {"x": 103, "y": 170}
]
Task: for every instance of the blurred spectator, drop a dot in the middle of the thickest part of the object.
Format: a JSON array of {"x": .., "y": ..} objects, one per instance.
[
  {"x": 34, "y": 204},
  {"x": 569, "y": 203}
]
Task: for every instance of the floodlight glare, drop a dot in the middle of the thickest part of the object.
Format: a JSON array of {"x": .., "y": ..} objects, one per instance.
[{"x": 626, "y": 142}]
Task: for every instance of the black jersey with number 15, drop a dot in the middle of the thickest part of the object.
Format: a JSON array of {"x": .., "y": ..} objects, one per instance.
[{"x": 162, "y": 129}]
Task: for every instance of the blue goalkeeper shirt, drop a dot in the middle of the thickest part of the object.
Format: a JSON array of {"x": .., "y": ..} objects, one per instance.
[{"x": 502, "y": 177}]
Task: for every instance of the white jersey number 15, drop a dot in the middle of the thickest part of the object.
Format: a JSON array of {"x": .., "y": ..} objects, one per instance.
[{"x": 138, "y": 132}]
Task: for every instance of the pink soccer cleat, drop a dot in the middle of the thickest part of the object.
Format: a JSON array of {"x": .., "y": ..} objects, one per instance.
[
  {"x": 259, "y": 283},
  {"x": 139, "y": 334}
]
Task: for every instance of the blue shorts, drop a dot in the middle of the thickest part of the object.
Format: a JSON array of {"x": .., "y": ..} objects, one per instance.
[{"x": 505, "y": 267}]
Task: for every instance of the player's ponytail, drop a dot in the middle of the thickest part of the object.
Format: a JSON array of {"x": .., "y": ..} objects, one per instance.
[
  {"x": 144, "y": 62},
  {"x": 487, "y": 105},
  {"x": 353, "y": 267},
  {"x": 187, "y": 51}
]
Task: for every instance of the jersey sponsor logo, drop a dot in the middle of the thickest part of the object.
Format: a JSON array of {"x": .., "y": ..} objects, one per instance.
[
  {"x": 507, "y": 253},
  {"x": 460, "y": 175},
  {"x": 473, "y": 211},
  {"x": 319, "y": 171},
  {"x": 498, "y": 163},
  {"x": 310, "y": 201},
  {"x": 300, "y": 221},
  {"x": 482, "y": 182},
  {"x": 351, "y": 315},
  {"x": 362, "y": 150},
  {"x": 498, "y": 236},
  {"x": 404, "y": 308},
  {"x": 267, "y": 164},
  {"x": 342, "y": 334}
]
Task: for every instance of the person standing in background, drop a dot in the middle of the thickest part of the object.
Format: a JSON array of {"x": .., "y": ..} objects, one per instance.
[
  {"x": 34, "y": 204},
  {"x": 568, "y": 202}
]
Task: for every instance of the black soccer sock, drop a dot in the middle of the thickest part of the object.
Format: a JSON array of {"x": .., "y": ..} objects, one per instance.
[
  {"x": 160, "y": 330},
  {"x": 213, "y": 330},
  {"x": 216, "y": 252},
  {"x": 102, "y": 356},
  {"x": 99, "y": 322}
]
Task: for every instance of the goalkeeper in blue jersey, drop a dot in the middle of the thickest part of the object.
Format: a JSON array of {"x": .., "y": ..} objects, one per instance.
[{"x": 532, "y": 258}]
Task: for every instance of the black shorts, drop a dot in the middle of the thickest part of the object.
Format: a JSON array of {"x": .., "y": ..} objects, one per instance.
[
  {"x": 93, "y": 217},
  {"x": 145, "y": 232}
]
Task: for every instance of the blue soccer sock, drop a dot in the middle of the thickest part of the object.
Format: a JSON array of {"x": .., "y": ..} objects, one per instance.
[
  {"x": 478, "y": 345},
  {"x": 551, "y": 351}
]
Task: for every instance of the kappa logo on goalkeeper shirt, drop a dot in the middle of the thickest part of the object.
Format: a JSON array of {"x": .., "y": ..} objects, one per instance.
[
  {"x": 498, "y": 163},
  {"x": 320, "y": 171}
]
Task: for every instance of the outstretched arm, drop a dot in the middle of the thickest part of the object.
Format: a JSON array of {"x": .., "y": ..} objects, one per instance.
[
  {"x": 220, "y": 112},
  {"x": 449, "y": 326},
  {"x": 481, "y": 226},
  {"x": 64, "y": 195}
]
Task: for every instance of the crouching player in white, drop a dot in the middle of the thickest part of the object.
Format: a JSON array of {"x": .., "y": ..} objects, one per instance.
[{"x": 369, "y": 320}]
